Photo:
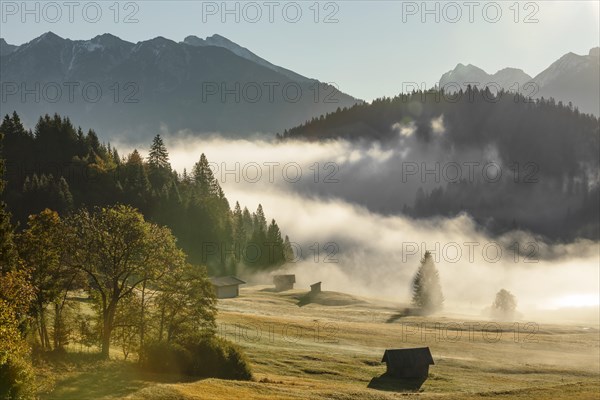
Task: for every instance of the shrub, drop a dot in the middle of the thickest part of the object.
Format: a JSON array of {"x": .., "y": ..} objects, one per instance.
[
  {"x": 16, "y": 379},
  {"x": 206, "y": 357},
  {"x": 219, "y": 358},
  {"x": 165, "y": 358},
  {"x": 16, "y": 371},
  {"x": 238, "y": 367}
]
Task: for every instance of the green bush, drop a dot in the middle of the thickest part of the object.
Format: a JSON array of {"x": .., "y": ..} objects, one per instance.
[
  {"x": 16, "y": 378},
  {"x": 16, "y": 371},
  {"x": 218, "y": 358},
  {"x": 206, "y": 357},
  {"x": 238, "y": 367},
  {"x": 166, "y": 358}
]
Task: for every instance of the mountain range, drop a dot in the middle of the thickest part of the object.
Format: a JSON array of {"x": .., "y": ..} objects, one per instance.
[
  {"x": 572, "y": 78},
  {"x": 135, "y": 90}
]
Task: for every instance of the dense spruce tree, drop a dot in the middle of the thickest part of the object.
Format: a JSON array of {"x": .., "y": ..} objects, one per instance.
[
  {"x": 275, "y": 245},
  {"x": 46, "y": 191},
  {"x": 158, "y": 157},
  {"x": 134, "y": 177},
  {"x": 288, "y": 251},
  {"x": 159, "y": 168},
  {"x": 260, "y": 221},
  {"x": 203, "y": 178},
  {"x": 239, "y": 232},
  {"x": 426, "y": 287}
]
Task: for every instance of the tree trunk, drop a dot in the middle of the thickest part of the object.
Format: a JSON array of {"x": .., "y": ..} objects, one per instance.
[
  {"x": 57, "y": 327},
  {"x": 105, "y": 344},
  {"x": 108, "y": 320},
  {"x": 143, "y": 317},
  {"x": 162, "y": 324},
  {"x": 44, "y": 338}
]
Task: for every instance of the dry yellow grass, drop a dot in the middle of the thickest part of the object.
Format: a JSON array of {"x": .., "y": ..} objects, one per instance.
[{"x": 322, "y": 351}]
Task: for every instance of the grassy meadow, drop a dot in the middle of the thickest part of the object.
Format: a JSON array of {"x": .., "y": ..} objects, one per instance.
[{"x": 330, "y": 347}]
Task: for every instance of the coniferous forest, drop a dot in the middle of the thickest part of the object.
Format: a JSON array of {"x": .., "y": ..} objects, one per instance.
[
  {"x": 547, "y": 151},
  {"x": 59, "y": 166}
]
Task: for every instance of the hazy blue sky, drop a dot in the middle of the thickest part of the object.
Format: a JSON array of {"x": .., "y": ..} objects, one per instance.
[{"x": 370, "y": 51}]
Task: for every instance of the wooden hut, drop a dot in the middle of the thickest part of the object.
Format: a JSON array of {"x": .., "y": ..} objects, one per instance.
[
  {"x": 226, "y": 286},
  {"x": 284, "y": 282},
  {"x": 408, "y": 363},
  {"x": 315, "y": 288}
]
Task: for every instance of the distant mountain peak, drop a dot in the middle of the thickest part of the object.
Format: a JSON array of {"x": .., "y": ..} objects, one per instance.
[
  {"x": 461, "y": 66},
  {"x": 49, "y": 36},
  {"x": 161, "y": 40},
  {"x": 221, "y": 41},
  {"x": 107, "y": 39},
  {"x": 214, "y": 40},
  {"x": 572, "y": 78},
  {"x": 193, "y": 40},
  {"x": 156, "y": 44},
  {"x": 510, "y": 69}
]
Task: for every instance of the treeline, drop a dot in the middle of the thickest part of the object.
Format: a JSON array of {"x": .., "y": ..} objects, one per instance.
[
  {"x": 471, "y": 117},
  {"x": 555, "y": 136},
  {"x": 60, "y": 167},
  {"x": 549, "y": 152}
]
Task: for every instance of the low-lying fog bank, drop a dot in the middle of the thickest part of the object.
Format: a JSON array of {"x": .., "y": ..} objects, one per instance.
[{"x": 317, "y": 192}]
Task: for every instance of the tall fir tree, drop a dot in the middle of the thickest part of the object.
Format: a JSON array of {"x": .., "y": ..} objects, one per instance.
[
  {"x": 274, "y": 244},
  {"x": 426, "y": 287},
  {"x": 158, "y": 157},
  {"x": 204, "y": 178},
  {"x": 159, "y": 168},
  {"x": 288, "y": 251}
]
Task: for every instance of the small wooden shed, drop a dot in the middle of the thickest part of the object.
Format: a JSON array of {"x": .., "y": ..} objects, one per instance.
[
  {"x": 226, "y": 287},
  {"x": 284, "y": 282},
  {"x": 408, "y": 363},
  {"x": 315, "y": 288}
]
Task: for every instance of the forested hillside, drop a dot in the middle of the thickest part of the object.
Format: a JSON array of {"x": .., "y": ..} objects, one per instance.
[
  {"x": 546, "y": 152},
  {"x": 58, "y": 166}
]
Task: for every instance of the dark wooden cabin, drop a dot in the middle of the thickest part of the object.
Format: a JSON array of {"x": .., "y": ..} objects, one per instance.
[{"x": 408, "y": 363}]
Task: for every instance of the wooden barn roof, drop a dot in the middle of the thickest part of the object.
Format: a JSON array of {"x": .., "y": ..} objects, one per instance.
[
  {"x": 408, "y": 357},
  {"x": 226, "y": 281}
]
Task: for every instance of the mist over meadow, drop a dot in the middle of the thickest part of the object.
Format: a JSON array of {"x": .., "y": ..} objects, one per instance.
[{"x": 341, "y": 203}]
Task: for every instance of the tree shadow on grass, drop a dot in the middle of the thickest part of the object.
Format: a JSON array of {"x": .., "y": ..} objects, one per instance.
[
  {"x": 95, "y": 379},
  {"x": 305, "y": 299},
  {"x": 407, "y": 312},
  {"x": 271, "y": 290}
]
